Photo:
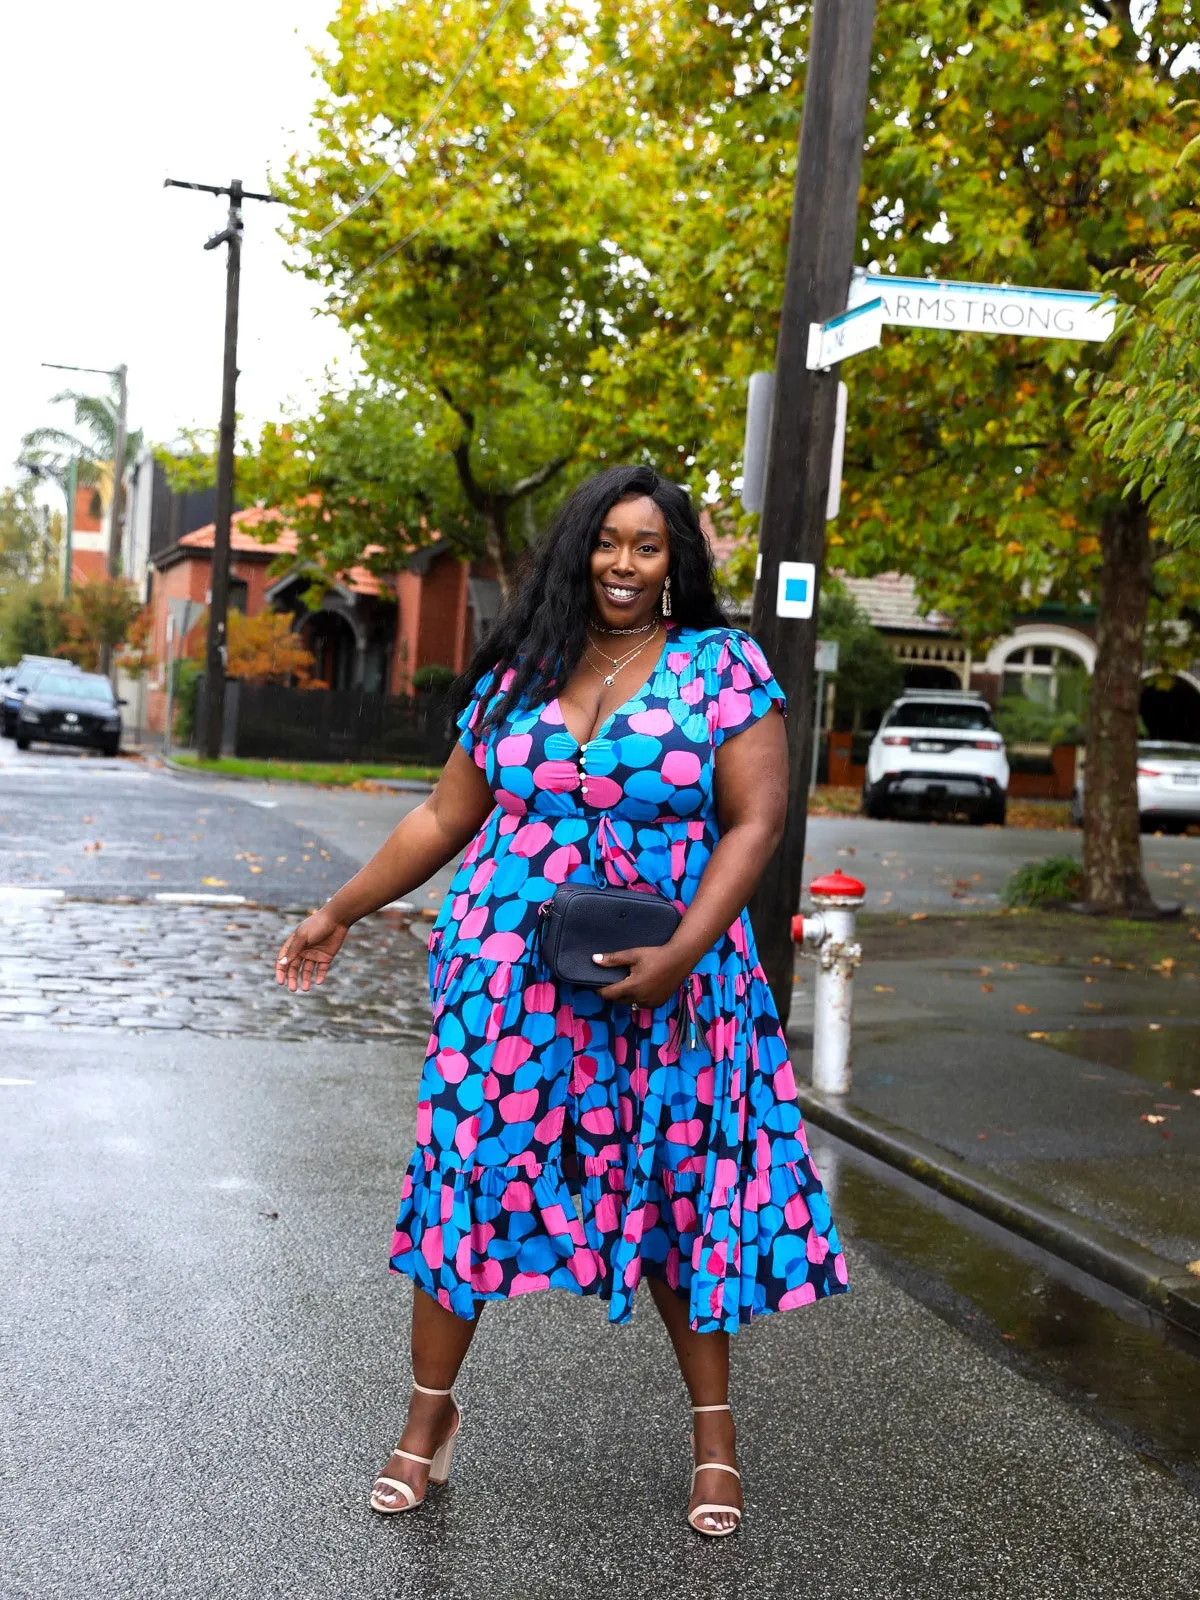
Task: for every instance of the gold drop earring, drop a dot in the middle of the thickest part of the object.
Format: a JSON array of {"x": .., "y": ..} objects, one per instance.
[{"x": 666, "y": 598}]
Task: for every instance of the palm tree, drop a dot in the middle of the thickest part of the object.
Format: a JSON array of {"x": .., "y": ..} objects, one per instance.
[{"x": 48, "y": 452}]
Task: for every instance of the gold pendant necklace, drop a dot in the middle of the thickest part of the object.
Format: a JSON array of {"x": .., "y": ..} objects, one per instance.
[{"x": 618, "y": 664}]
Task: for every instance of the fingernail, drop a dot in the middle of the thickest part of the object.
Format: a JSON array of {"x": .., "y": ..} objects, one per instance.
[{"x": 599, "y": 960}]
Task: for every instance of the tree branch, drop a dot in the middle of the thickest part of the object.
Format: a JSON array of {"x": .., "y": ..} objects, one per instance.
[{"x": 535, "y": 480}]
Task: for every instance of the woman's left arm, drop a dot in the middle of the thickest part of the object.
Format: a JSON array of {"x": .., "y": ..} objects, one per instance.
[{"x": 751, "y": 794}]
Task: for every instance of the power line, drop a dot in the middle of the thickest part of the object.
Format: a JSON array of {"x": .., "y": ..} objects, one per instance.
[
  {"x": 369, "y": 194},
  {"x": 518, "y": 149}
]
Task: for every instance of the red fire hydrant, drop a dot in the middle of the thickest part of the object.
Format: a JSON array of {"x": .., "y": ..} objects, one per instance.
[{"x": 829, "y": 932}]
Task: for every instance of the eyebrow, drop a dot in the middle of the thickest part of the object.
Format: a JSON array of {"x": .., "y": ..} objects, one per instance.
[{"x": 642, "y": 533}]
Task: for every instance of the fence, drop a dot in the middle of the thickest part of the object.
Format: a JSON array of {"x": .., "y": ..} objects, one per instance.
[{"x": 339, "y": 725}]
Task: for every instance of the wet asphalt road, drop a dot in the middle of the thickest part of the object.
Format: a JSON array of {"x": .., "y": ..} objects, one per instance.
[
  {"x": 198, "y": 1173},
  {"x": 85, "y": 824},
  {"x": 203, "y": 1345}
]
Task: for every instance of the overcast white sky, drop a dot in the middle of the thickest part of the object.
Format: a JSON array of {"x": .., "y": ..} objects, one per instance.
[{"x": 98, "y": 262}]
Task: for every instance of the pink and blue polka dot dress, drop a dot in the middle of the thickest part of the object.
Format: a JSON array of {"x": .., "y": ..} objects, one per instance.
[{"x": 564, "y": 1141}]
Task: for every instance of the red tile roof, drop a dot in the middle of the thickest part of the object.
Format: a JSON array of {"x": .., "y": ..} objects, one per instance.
[{"x": 284, "y": 543}]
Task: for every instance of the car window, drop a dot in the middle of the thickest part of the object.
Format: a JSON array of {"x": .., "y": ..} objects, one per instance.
[
  {"x": 940, "y": 714},
  {"x": 1169, "y": 752},
  {"x": 74, "y": 686}
]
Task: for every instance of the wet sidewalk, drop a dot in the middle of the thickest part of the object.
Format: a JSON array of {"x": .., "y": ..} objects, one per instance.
[{"x": 1073, "y": 1075}]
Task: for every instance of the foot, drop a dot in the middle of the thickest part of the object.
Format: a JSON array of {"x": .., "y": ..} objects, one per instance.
[
  {"x": 431, "y": 1421},
  {"x": 716, "y": 1441}
]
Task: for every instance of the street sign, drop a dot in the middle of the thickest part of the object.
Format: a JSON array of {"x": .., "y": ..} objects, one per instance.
[
  {"x": 856, "y": 330},
  {"x": 827, "y": 656},
  {"x": 797, "y": 589},
  {"x": 182, "y": 614},
  {"x": 754, "y": 450},
  {"x": 984, "y": 307}
]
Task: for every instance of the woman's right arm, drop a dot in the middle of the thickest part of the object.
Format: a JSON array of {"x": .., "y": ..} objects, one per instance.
[{"x": 428, "y": 837}]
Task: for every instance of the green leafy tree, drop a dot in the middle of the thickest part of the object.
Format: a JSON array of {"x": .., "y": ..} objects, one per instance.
[
  {"x": 868, "y": 676},
  {"x": 48, "y": 452},
  {"x": 485, "y": 240},
  {"x": 1038, "y": 143}
]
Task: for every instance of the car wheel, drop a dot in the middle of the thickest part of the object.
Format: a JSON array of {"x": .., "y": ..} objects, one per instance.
[
  {"x": 110, "y": 747},
  {"x": 875, "y": 805},
  {"x": 995, "y": 812},
  {"x": 22, "y": 742}
]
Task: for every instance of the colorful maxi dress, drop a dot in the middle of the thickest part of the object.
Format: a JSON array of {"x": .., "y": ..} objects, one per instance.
[{"x": 684, "y": 1146}]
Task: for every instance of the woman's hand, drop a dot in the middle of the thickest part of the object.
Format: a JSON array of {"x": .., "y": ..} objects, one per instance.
[
  {"x": 307, "y": 952},
  {"x": 655, "y": 973}
]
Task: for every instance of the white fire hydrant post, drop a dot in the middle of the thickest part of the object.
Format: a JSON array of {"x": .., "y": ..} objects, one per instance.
[{"x": 829, "y": 934}]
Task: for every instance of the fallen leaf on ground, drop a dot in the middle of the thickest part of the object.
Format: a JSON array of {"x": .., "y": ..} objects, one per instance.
[
  {"x": 255, "y": 869},
  {"x": 155, "y": 875},
  {"x": 85, "y": 819},
  {"x": 918, "y": 916},
  {"x": 1037, "y": 1035},
  {"x": 983, "y": 972},
  {"x": 1011, "y": 966},
  {"x": 1194, "y": 1267},
  {"x": 1155, "y": 1027},
  {"x": 987, "y": 987},
  {"x": 1149, "y": 1116},
  {"x": 884, "y": 988},
  {"x": 1194, "y": 1091},
  {"x": 216, "y": 883},
  {"x": 1025, "y": 1010},
  {"x": 1093, "y": 1005}
]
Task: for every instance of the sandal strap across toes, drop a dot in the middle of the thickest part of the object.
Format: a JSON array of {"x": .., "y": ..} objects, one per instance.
[
  {"x": 708, "y": 1509},
  {"x": 439, "y": 1464}
]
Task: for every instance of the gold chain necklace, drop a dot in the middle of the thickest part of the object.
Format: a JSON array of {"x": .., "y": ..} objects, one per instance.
[{"x": 618, "y": 664}]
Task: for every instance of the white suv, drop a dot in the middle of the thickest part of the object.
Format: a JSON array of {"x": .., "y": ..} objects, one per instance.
[{"x": 937, "y": 748}]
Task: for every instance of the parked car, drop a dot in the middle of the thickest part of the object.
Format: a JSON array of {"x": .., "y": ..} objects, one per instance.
[
  {"x": 70, "y": 707},
  {"x": 937, "y": 749},
  {"x": 15, "y": 690},
  {"x": 1168, "y": 785}
]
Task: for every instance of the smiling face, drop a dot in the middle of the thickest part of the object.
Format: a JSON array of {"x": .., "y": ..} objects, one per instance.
[{"x": 630, "y": 560}]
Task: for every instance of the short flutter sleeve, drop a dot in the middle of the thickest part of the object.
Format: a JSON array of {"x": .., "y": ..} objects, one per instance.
[
  {"x": 742, "y": 687},
  {"x": 470, "y": 718}
]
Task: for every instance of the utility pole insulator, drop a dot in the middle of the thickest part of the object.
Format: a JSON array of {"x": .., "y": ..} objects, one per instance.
[{"x": 821, "y": 249}]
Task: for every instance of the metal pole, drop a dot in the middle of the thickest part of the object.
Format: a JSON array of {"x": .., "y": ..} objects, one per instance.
[
  {"x": 69, "y": 525},
  {"x": 116, "y": 524},
  {"x": 816, "y": 744},
  {"x": 820, "y": 257},
  {"x": 168, "y": 726},
  {"x": 218, "y": 604}
]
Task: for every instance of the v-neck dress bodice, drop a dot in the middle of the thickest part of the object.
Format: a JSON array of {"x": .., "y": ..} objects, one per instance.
[{"x": 685, "y": 1148}]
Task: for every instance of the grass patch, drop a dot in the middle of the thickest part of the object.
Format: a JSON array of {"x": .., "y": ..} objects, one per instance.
[
  {"x": 337, "y": 774},
  {"x": 1055, "y": 879}
]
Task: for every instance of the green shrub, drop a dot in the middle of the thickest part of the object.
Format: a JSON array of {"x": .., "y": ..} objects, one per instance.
[
  {"x": 1039, "y": 882},
  {"x": 1025, "y": 721},
  {"x": 187, "y": 692},
  {"x": 433, "y": 679}
]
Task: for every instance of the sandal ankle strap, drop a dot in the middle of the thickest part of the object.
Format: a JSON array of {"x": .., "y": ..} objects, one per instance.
[
  {"x": 421, "y": 1389},
  {"x": 696, "y": 1410}
]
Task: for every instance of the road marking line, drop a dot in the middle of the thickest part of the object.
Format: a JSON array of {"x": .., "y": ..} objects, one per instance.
[
  {"x": 30, "y": 896},
  {"x": 15, "y": 1083}
]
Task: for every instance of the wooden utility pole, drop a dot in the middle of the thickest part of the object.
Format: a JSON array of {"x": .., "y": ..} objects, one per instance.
[
  {"x": 821, "y": 251},
  {"x": 116, "y": 519},
  {"x": 213, "y": 711}
]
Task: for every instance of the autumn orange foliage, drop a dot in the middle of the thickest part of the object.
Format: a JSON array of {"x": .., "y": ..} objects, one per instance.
[{"x": 266, "y": 649}]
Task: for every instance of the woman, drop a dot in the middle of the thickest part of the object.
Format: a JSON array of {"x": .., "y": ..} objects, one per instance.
[{"x": 615, "y": 731}]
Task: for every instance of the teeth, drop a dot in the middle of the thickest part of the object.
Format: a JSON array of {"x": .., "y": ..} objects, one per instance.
[{"x": 620, "y": 594}]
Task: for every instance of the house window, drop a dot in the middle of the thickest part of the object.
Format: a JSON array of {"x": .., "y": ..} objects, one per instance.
[
  {"x": 238, "y": 589},
  {"x": 1047, "y": 675}
]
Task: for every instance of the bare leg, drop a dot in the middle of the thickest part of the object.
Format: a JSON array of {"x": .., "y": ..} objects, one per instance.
[
  {"x": 440, "y": 1341},
  {"x": 704, "y": 1362}
]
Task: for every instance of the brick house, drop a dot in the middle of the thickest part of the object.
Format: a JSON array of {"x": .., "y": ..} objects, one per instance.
[{"x": 368, "y": 632}]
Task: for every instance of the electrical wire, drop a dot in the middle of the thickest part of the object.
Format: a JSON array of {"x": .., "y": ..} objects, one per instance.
[
  {"x": 471, "y": 188},
  {"x": 369, "y": 194}
]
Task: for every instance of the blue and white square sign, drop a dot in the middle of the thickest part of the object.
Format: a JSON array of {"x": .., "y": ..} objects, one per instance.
[{"x": 797, "y": 589}]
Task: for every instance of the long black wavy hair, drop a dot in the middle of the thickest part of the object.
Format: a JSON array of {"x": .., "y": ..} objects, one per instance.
[{"x": 541, "y": 631}]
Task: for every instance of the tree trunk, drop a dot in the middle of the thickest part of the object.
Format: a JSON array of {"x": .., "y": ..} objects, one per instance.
[
  {"x": 1112, "y": 849},
  {"x": 499, "y": 552}
]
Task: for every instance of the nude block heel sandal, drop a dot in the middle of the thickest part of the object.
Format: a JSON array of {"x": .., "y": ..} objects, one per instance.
[
  {"x": 439, "y": 1464},
  {"x": 706, "y": 1509}
]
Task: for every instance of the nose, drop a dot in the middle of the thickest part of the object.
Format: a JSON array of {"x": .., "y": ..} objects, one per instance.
[{"x": 623, "y": 560}]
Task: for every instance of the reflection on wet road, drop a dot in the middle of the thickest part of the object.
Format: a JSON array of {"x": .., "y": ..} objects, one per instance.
[
  {"x": 1094, "y": 1346},
  {"x": 1169, "y": 1057}
]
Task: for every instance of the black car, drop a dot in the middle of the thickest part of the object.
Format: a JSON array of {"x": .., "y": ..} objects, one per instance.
[
  {"x": 64, "y": 707},
  {"x": 17, "y": 685}
]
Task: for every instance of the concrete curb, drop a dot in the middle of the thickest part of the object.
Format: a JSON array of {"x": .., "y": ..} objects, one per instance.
[
  {"x": 1158, "y": 1283},
  {"x": 404, "y": 785}
]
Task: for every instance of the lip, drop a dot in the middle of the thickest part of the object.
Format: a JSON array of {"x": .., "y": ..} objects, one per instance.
[{"x": 630, "y": 597}]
